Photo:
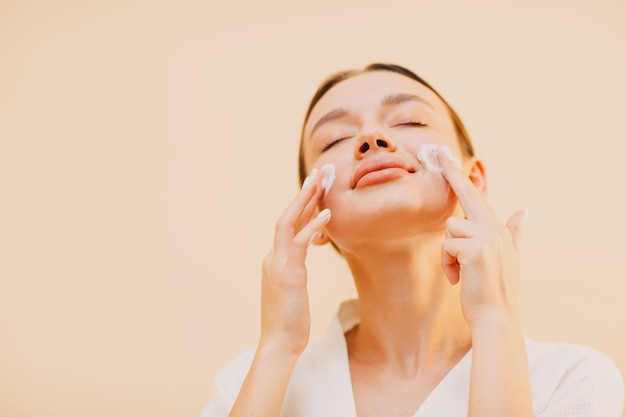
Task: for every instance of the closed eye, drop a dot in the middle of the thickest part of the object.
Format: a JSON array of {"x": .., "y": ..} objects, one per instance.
[
  {"x": 412, "y": 123},
  {"x": 332, "y": 143}
]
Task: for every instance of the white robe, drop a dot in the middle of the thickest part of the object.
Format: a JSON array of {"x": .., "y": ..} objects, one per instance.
[{"x": 567, "y": 380}]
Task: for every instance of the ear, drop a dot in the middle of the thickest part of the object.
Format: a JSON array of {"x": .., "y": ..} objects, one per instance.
[{"x": 477, "y": 175}]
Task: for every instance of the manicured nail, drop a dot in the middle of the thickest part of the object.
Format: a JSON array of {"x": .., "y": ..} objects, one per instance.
[
  {"x": 310, "y": 179},
  {"x": 324, "y": 213}
]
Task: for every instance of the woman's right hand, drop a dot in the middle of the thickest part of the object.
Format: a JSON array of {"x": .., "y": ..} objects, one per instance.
[{"x": 285, "y": 315}]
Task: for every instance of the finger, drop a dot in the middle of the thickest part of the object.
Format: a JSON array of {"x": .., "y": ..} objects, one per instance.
[
  {"x": 311, "y": 207},
  {"x": 301, "y": 242},
  {"x": 470, "y": 198},
  {"x": 286, "y": 223},
  {"x": 516, "y": 225},
  {"x": 457, "y": 227},
  {"x": 449, "y": 262}
]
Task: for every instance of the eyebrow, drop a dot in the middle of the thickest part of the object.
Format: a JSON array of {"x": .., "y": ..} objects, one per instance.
[
  {"x": 402, "y": 98},
  {"x": 390, "y": 100},
  {"x": 329, "y": 117}
]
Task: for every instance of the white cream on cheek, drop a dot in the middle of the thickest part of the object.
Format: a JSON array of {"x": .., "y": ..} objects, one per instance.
[
  {"x": 328, "y": 178},
  {"x": 427, "y": 155}
]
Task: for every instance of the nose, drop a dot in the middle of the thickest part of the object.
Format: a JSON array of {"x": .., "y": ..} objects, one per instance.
[{"x": 373, "y": 143}]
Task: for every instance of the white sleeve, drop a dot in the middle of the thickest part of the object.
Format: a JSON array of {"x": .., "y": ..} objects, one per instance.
[
  {"x": 590, "y": 387},
  {"x": 228, "y": 382}
]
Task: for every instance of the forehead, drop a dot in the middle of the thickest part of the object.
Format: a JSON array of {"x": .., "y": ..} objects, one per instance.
[{"x": 365, "y": 92}]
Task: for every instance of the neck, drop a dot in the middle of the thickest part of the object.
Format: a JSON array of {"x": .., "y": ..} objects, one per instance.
[{"x": 410, "y": 314}]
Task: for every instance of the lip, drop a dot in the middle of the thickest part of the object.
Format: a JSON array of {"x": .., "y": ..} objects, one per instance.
[{"x": 393, "y": 164}]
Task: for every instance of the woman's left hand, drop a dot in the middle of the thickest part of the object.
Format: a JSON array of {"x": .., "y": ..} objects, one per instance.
[{"x": 481, "y": 252}]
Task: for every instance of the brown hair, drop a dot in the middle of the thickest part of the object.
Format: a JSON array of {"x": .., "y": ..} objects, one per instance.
[{"x": 462, "y": 136}]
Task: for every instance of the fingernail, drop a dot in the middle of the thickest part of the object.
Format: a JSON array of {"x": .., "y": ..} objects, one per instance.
[
  {"x": 324, "y": 213},
  {"x": 310, "y": 179},
  {"x": 525, "y": 217}
]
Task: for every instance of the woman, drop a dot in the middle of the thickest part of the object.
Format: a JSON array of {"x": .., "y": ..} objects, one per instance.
[{"x": 436, "y": 329}]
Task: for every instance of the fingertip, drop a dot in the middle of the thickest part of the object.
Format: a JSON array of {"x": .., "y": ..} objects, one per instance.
[
  {"x": 324, "y": 213},
  {"x": 524, "y": 215},
  {"x": 452, "y": 274},
  {"x": 308, "y": 181},
  {"x": 445, "y": 154},
  {"x": 516, "y": 226},
  {"x": 518, "y": 219}
]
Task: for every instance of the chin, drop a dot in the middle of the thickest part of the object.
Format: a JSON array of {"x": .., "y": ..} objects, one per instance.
[
  {"x": 389, "y": 220},
  {"x": 398, "y": 208}
]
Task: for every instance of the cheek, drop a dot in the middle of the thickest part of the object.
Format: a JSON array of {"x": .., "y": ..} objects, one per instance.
[
  {"x": 316, "y": 160},
  {"x": 412, "y": 141},
  {"x": 336, "y": 168},
  {"x": 436, "y": 197}
]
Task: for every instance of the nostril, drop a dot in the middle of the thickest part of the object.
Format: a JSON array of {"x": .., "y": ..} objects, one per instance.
[
  {"x": 381, "y": 143},
  {"x": 364, "y": 148}
]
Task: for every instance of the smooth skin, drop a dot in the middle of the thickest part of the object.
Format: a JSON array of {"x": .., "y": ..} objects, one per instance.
[{"x": 436, "y": 272}]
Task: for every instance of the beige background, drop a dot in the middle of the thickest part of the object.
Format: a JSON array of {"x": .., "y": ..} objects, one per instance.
[{"x": 147, "y": 147}]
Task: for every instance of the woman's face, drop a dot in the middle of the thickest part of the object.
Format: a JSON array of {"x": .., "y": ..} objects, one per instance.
[{"x": 370, "y": 127}]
